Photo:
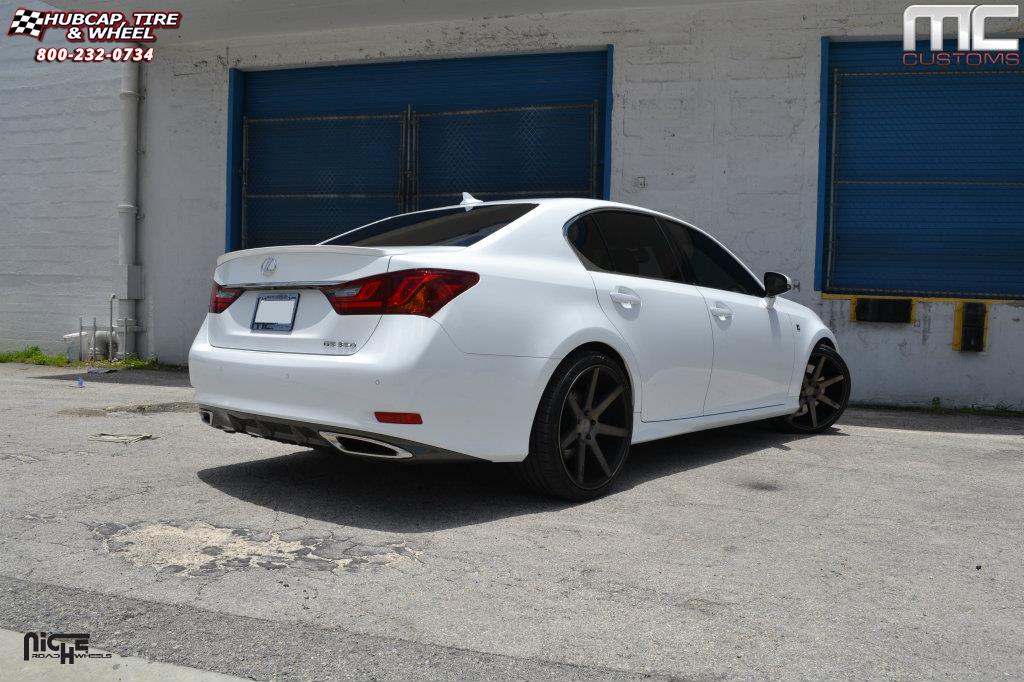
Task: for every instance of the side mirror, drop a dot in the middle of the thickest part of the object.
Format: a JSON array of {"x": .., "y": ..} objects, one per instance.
[{"x": 776, "y": 283}]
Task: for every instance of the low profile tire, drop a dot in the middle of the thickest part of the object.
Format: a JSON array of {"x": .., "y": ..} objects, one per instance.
[
  {"x": 582, "y": 431},
  {"x": 824, "y": 393}
]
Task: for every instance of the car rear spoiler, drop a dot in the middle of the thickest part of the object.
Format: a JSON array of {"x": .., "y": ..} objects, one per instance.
[{"x": 307, "y": 248}]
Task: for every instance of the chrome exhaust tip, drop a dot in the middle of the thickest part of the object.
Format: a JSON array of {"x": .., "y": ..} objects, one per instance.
[
  {"x": 364, "y": 447},
  {"x": 206, "y": 416}
]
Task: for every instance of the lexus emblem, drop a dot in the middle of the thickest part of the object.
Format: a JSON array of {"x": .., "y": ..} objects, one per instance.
[{"x": 268, "y": 266}]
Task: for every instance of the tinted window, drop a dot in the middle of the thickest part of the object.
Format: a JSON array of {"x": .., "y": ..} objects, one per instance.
[
  {"x": 636, "y": 245},
  {"x": 584, "y": 235},
  {"x": 711, "y": 265},
  {"x": 446, "y": 227}
]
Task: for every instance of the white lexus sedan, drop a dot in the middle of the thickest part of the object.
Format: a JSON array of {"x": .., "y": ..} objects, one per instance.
[{"x": 549, "y": 333}]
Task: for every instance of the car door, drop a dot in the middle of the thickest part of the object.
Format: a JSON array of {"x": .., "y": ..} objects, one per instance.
[
  {"x": 664, "y": 320},
  {"x": 753, "y": 340}
]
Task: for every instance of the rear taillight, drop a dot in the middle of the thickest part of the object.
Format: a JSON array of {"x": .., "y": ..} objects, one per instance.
[
  {"x": 405, "y": 292},
  {"x": 221, "y": 297}
]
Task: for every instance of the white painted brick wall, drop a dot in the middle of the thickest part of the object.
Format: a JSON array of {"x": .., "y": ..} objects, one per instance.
[
  {"x": 59, "y": 137},
  {"x": 717, "y": 105}
]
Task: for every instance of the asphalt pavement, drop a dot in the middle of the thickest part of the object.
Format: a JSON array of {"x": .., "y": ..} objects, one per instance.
[{"x": 890, "y": 548}]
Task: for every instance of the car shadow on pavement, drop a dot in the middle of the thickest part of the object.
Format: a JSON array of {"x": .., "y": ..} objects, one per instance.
[
  {"x": 668, "y": 456},
  {"x": 415, "y": 498}
]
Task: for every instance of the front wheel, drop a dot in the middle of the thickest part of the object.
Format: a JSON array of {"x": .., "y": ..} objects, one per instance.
[
  {"x": 824, "y": 393},
  {"x": 582, "y": 430}
]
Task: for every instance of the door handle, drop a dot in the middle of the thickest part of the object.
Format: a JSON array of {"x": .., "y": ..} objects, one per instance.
[
  {"x": 624, "y": 298},
  {"x": 720, "y": 311}
]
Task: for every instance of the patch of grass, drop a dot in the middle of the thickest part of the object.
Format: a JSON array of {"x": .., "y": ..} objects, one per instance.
[
  {"x": 33, "y": 355},
  {"x": 936, "y": 407},
  {"x": 131, "y": 363},
  {"x": 998, "y": 410}
]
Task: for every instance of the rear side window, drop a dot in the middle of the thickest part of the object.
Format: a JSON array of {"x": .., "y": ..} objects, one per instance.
[
  {"x": 624, "y": 242},
  {"x": 585, "y": 236},
  {"x": 712, "y": 266},
  {"x": 445, "y": 227}
]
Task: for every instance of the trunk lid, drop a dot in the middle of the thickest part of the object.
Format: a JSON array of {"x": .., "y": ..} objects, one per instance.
[{"x": 289, "y": 273}]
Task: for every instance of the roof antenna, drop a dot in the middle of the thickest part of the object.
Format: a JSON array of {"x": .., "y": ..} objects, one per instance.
[{"x": 469, "y": 201}]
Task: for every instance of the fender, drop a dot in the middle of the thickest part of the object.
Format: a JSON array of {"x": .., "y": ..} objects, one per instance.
[
  {"x": 608, "y": 338},
  {"x": 810, "y": 331}
]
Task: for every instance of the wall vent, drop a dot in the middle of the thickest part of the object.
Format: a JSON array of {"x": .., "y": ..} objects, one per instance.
[{"x": 882, "y": 310}]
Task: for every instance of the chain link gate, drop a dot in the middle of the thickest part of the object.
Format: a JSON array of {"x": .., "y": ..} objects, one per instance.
[{"x": 306, "y": 179}]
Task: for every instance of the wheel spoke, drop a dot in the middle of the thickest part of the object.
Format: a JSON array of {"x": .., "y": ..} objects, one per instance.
[
  {"x": 593, "y": 389},
  {"x": 606, "y": 403},
  {"x": 828, "y": 401},
  {"x": 569, "y": 438},
  {"x": 818, "y": 369},
  {"x": 825, "y": 383},
  {"x": 814, "y": 412},
  {"x": 581, "y": 460},
  {"x": 609, "y": 430},
  {"x": 599, "y": 456},
  {"x": 574, "y": 406}
]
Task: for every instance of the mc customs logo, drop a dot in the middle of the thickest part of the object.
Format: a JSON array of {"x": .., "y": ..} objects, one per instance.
[{"x": 973, "y": 45}]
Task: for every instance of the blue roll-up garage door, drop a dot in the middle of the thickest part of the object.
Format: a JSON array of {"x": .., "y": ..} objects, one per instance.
[
  {"x": 327, "y": 149},
  {"x": 924, "y": 177}
]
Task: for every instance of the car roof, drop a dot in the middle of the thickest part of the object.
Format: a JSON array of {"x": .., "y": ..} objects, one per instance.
[
  {"x": 569, "y": 203},
  {"x": 577, "y": 205},
  {"x": 581, "y": 204}
]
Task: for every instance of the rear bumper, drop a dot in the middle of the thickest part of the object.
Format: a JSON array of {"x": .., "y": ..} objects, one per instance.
[
  {"x": 481, "y": 406},
  {"x": 306, "y": 434}
]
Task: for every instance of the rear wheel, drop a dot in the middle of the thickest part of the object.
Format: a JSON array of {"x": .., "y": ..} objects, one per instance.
[
  {"x": 582, "y": 431},
  {"x": 824, "y": 393}
]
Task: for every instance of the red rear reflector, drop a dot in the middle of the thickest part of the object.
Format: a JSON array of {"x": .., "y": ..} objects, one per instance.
[
  {"x": 398, "y": 417},
  {"x": 404, "y": 292},
  {"x": 221, "y": 297}
]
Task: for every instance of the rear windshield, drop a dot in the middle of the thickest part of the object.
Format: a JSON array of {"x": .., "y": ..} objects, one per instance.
[{"x": 444, "y": 227}]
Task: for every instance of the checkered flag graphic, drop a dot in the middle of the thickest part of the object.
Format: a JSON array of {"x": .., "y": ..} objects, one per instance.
[{"x": 27, "y": 22}]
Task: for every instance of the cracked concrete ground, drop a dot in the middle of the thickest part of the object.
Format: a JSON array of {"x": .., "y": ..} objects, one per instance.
[{"x": 889, "y": 548}]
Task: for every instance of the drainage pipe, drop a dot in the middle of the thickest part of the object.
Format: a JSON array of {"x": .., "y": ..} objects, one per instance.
[{"x": 129, "y": 280}]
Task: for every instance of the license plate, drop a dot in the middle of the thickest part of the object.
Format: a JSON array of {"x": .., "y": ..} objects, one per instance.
[{"x": 275, "y": 313}]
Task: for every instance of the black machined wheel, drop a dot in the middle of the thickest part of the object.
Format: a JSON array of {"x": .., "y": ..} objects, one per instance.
[
  {"x": 583, "y": 429},
  {"x": 824, "y": 392},
  {"x": 594, "y": 418}
]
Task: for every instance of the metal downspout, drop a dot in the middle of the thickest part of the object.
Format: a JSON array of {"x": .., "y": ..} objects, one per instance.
[{"x": 129, "y": 274}]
